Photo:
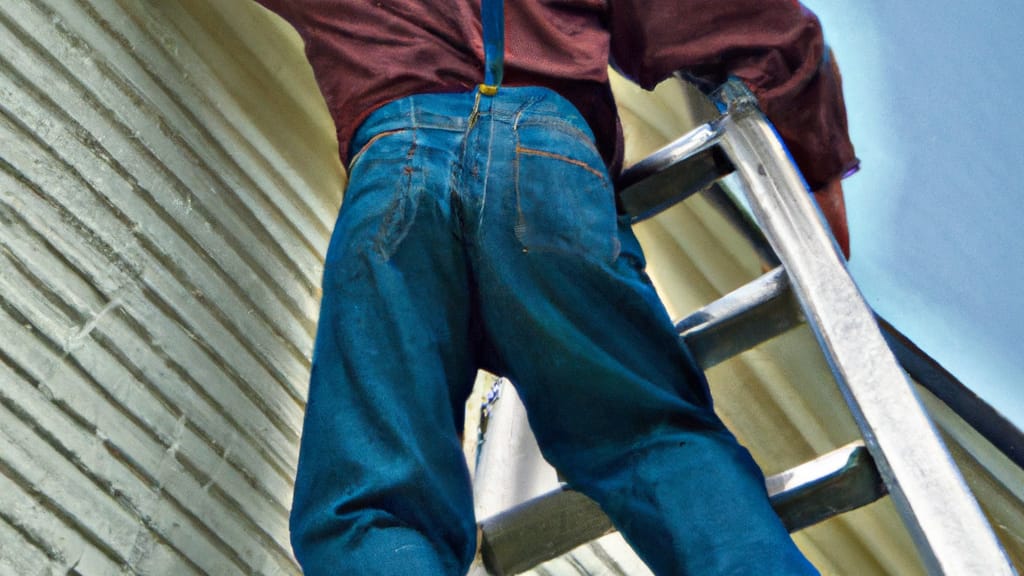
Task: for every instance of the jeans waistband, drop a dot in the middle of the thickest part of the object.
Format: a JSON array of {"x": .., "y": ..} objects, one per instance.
[{"x": 453, "y": 112}]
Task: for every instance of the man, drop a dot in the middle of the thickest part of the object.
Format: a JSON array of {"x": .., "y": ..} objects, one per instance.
[{"x": 479, "y": 230}]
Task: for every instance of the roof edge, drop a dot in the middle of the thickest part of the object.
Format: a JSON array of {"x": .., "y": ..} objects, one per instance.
[{"x": 978, "y": 413}]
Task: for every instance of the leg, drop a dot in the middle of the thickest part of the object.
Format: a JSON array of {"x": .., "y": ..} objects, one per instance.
[
  {"x": 382, "y": 487},
  {"x": 616, "y": 402}
]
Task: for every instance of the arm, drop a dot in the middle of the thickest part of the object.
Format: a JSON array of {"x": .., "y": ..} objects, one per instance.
[
  {"x": 833, "y": 206},
  {"x": 777, "y": 48}
]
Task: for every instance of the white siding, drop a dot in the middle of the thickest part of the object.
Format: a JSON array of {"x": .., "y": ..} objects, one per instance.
[
  {"x": 168, "y": 182},
  {"x": 165, "y": 198}
]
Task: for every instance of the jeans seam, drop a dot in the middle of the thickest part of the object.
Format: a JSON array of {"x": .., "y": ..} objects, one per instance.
[
  {"x": 561, "y": 157},
  {"x": 386, "y": 242},
  {"x": 559, "y": 124},
  {"x": 373, "y": 140},
  {"x": 485, "y": 177}
]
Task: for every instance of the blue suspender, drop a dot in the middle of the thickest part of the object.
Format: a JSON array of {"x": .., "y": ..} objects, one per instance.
[{"x": 492, "y": 13}]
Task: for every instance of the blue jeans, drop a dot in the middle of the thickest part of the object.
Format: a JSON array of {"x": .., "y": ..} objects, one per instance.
[{"x": 481, "y": 232}]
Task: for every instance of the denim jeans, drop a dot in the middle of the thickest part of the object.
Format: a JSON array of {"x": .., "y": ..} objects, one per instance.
[{"x": 481, "y": 232}]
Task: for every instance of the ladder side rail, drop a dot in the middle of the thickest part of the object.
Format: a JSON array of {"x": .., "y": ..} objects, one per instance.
[{"x": 944, "y": 519}]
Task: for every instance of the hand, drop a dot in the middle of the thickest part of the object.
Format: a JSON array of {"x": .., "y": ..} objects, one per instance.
[{"x": 833, "y": 206}]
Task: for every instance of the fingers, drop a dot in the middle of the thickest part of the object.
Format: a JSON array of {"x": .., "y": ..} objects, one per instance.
[{"x": 833, "y": 206}]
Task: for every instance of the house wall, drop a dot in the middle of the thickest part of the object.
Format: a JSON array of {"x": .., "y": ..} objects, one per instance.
[
  {"x": 165, "y": 200},
  {"x": 168, "y": 182}
]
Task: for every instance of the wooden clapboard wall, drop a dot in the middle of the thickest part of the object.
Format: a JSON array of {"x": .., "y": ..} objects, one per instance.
[{"x": 165, "y": 200}]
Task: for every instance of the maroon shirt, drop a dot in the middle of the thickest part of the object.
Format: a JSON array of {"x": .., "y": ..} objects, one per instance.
[{"x": 366, "y": 53}]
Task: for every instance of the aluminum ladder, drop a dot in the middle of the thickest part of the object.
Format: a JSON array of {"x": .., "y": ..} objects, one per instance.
[{"x": 901, "y": 453}]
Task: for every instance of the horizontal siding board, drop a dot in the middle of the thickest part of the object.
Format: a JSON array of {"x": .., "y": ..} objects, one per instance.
[
  {"x": 140, "y": 340},
  {"x": 91, "y": 445},
  {"x": 121, "y": 377},
  {"x": 173, "y": 187},
  {"x": 23, "y": 552},
  {"x": 176, "y": 249},
  {"x": 160, "y": 255},
  {"x": 99, "y": 446},
  {"x": 38, "y": 542},
  {"x": 63, "y": 490},
  {"x": 267, "y": 74},
  {"x": 168, "y": 76},
  {"x": 163, "y": 104},
  {"x": 208, "y": 63},
  {"x": 136, "y": 240},
  {"x": 147, "y": 290},
  {"x": 169, "y": 41},
  {"x": 123, "y": 360}
]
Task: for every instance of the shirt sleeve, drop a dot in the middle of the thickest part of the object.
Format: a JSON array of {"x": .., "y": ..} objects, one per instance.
[{"x": 775, "y": 46}]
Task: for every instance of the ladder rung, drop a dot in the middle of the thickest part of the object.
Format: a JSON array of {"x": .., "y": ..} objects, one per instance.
[
  {"x": 742, "y": 319},
  {"x": 681, "y": 169},
  {"x": 553, "y": 524},
  {"x": 842, "y": 480},
  {"x": 540, "y": 529}
]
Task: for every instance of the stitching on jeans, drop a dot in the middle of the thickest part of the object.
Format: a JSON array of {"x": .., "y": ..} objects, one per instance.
[
  {"x": 395, "y": 219},
  {"x": 563, "y": 158},
  {"x": 519, "y": 228},
  {"x": 485, "y": 177},
  {"x": 559, "y": 124},
  {"x": 371, "y": 142}
]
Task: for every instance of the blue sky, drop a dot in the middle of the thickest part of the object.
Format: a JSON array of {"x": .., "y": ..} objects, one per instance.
[{"x": 934, "y": 92}]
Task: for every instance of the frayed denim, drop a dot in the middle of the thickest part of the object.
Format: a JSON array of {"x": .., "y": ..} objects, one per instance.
[{"x": 481, "y": 232}]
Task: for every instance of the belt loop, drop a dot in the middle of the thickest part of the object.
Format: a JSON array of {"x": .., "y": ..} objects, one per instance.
[{"x": 492, "y": 14}]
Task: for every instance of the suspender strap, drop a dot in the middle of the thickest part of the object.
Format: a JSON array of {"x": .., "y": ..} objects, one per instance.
[{"x": 492, "y": 13}]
